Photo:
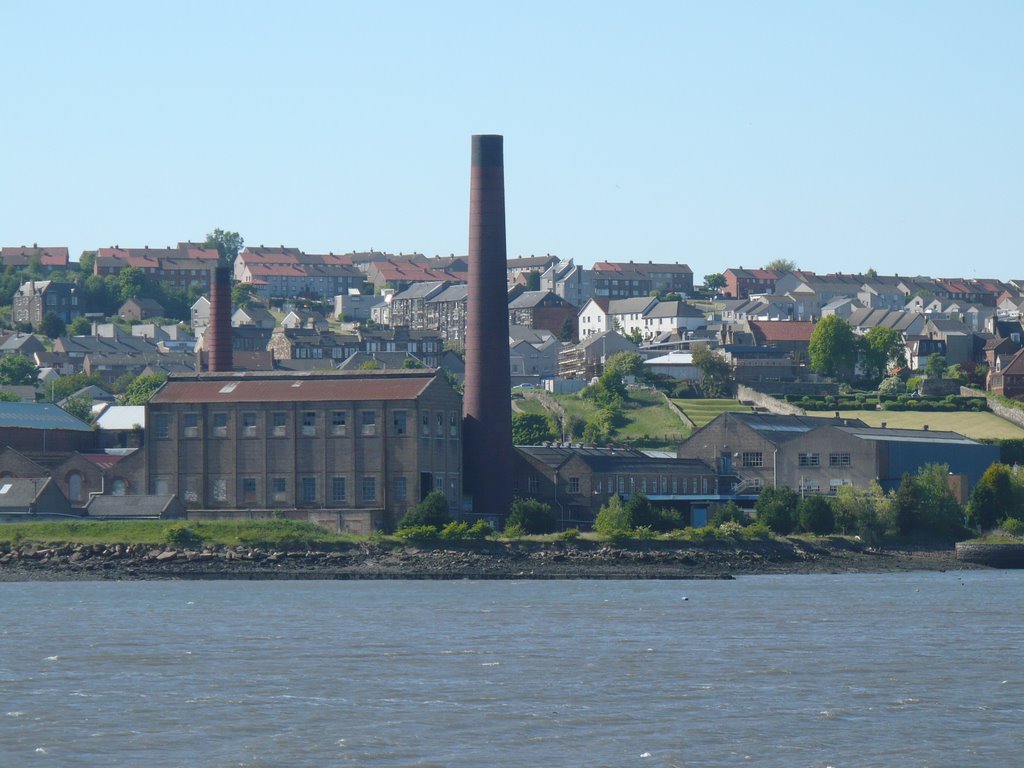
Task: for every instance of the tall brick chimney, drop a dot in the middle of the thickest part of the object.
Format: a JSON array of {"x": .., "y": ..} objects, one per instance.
[
  {"x": 487, "y": 410},
  {"x": 218, "y": 333}
]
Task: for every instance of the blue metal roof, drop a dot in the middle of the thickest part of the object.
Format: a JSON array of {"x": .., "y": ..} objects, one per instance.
[{"x": 39, "y": 416}]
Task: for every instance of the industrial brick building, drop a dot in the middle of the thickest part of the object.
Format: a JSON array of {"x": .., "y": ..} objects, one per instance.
[{"x": 356, "y": 448}]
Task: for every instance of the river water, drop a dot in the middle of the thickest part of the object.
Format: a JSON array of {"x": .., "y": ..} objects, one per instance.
[{"x": 919, "y": 669}]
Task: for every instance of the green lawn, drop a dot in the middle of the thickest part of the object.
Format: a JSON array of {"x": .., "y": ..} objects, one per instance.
[
  {"x": 649, "y": 421},
  {"x": 703, "y": 411},
  {"x": 973, "y": 425}
]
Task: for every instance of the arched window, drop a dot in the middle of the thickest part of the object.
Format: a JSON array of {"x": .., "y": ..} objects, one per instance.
[
  {"x": 75, "y": 487},
  {"x": 117, "y": 488}
]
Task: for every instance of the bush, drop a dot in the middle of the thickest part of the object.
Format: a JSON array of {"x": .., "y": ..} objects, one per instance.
[
  {"x": 816, "y": 515},
  {"x": 776, "y": 508},
  {"x": 180, "y": 535},
  {"x": 1013, "y": 526},
  {"x": 513, "y": 531},
  {"x": 456, "y": 531},
  {"x": 570, "y": 534},
  {"x": 481, "y": 529},
  {"x": 418, "y": 533},
  {"x": 729, "y": 513},
  {"x": 432, "y": 511},
  {"x": 644, "y": 532},
  {"x": 532, "y": 516},
  {"x": 613, "y": 519}
]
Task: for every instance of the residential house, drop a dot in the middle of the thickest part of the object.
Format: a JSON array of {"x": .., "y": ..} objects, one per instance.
[
  {"x": 258, "y": 317},
  {"x": 542, "y": 309},
  {"x": 741, "y": 283},
  {"x": 139, "y": 309},
  {"x": 36, "y": 299},
  {"x": 45, "y": 259},
  {"x": 1006, "y": 376},
  {"x": 586, "y": 359},
  {"x": 36, "y": 498},
  {"x": 622, "y": 280},
  {"x": 527, "y": 265}
]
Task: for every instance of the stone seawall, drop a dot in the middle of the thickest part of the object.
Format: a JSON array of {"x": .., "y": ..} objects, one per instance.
[{"x": 992, "y": 555}]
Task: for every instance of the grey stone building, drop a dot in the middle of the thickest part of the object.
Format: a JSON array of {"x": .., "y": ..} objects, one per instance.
[
  {"x": 359, "y": 448},
  {"x": 36, "y": 299}
]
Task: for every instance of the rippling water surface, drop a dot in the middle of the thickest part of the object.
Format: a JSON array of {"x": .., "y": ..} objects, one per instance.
[{"x": 921, "y": 669}]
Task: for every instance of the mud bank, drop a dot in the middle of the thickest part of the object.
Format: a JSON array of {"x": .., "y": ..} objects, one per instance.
[{"x": 470, "y": 560}]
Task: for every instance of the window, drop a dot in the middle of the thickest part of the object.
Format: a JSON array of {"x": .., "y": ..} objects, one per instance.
[
  {"x": 248, "y": 489},
  {"x": 369, "y": 489},
  {"x": 249, "y": 426},
  {"x": 160, "y": 486},
  {"x": 835, "y": 484},
  {"x": 190, "y": 425},
  {"x": 75, "y": 487},
  {"x": 622, "y": 485},
  {"x": 279, "y": 488},
  {"x": 811, "y": 486},
  {"x": 339, "y": 491},
  {"x": 453, "y": 424},
  {"x": 398, "y": 420},
  {"x": 810, "y": 460},
  {"x": 439, "y": 483},
  {"x": 160, "y": 426},
  {"x": 440, "y": 424},
  {"x": 400, "y": 489},
  {"x": 839, "y": 459},
  {"x": 219, "y": 425},
  {"x": 219, "y": 489},
  {"x": 279, "y": 424},
  {"x": 643, "y": 485},
  {"x": 369, "y": 421},
  {"x": 599, "y": 486},
  {"x": 574, "y": 485},
  {"x": 425, "y": 424},
  {"x": 532, "y": 484},
  {"x": 309, "y": 423},
  {"x": 308, "y": 489},
  {"x": 338, "y": 423},
  {"x": 752, "y": 459}
]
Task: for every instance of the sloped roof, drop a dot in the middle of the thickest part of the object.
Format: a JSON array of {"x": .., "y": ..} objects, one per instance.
[
  {"x": 39, "y": 416},
  {"x": 105, "y": 505},
  {"x": 781, "y": 330},
  {"x": 309, "y": 386},
  {"x": 122, "y": 417}
]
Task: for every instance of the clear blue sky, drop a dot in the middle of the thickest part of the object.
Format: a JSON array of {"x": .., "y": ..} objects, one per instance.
[{"x": 840, "y": 135}]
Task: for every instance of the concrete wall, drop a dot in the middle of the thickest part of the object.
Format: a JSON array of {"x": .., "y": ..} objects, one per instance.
[
  {"x": 769, "y": 403},
  {"x": 1001, "y": 409}
]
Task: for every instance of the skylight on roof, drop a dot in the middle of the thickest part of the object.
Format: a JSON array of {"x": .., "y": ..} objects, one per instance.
[
  {"x": 5, "y": 488},
  {"x": 780, "y": 427},
  {"x": 228, "y": 388}
]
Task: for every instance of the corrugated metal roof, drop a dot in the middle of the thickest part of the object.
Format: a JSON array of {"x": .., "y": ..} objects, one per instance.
[
  {"x": 311, "y": 386},
  {"x": 39, "y": 416},
  {"x": 122, "y": 417}
]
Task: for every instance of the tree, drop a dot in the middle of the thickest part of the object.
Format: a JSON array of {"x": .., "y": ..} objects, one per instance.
[
  {"x": 871, "y": 272},
  {"x": 568, "y": 330},
  {"x": 833, "y": 347},
  {"x": 781, "y": 265},
  {"x": 642, "y": 513},
  {"x": 80, "y": 326},
  {"x": 228, "y": 245},
  {"x": 433, "y": 510},
  {"x": 533, "y": 281},
  {"x": 715, "y": 372},
  {"x": 776, "y": 508},
  {"x": 17, "y": 370},
  {"x": 86, "y": 262},
  {"x": 714, "y": 282},
  {"x": 924, "y": 505},
  {"x": 130, "y": 283},
  {"x": 412, "y": 363},
  {"x": 636, "y": 336},
  {"x": 532, "y": 516},
  {"x": 729, "y": 513},
  {"x": 816, "y": 515},
  {"x": 997, "y": 496},
  {"x": 882, "y": 347},
  {"x": 864, "y": 512},
  {"x": 532, "y": 429},
  {"x": 143, "y": 388},
  {"x": 370, "y": 365},
  {"x": 613, "y": 519},
  {"x": 52, "y": 326},
  {"x": 79, "y": 406},
  {"x": 935, "y": 368},
  {"x": 242, "y": 294}
]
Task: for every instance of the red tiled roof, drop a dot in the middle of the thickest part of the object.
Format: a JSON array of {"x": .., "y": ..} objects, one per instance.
[
  {"x": 312, "y": 386},
  {"x": 48, "y": 257},
  {"x": 782, "y": 330}
]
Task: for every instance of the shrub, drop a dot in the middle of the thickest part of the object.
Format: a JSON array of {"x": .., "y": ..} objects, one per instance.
[
  {"x": 729, "y": 513},
  {"x": 816, "y": 516},
  {"x": 513, "y": 531},
  {"x": 180, "y": 535},
  {"x": 481, "y": 529},
  {"x": 1013, "y": 526},
  {"x": 613, "y": 518},
  {"x": 776, "y": 508},
  {"x": 532, "y": 516},
  {"x": 570, "y": 534},
  {"x": 644, "y": 532},
  {"x": 432, "y": 511},
  {"x": 730, "y": 528},
  {"x": 456, "y": 531},
  {"x": 417, "y": 533}
]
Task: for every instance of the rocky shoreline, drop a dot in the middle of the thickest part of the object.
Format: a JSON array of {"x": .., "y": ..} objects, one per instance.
[{"x": 578, "y": 559}]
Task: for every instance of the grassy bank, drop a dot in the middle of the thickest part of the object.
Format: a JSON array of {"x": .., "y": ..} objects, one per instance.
[{"x": 977, "y": 426}]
